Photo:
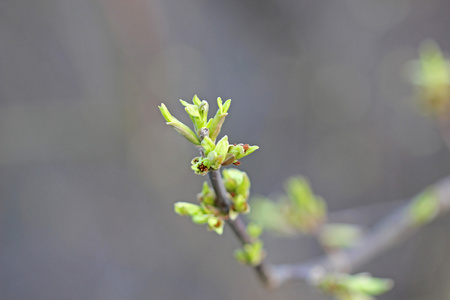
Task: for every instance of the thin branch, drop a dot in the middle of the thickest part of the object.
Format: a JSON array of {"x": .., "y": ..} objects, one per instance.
[
  {"x": 390, "y": 231},
  {"x": 443, "y": 124},
  {"x": 222, "y": 200},
  {"x": 238, "y": 226}
]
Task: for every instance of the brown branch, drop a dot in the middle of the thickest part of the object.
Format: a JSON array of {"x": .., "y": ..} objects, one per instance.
[
  {"x": 390, "y": 231},
  {"x": 237, "y": 225}
]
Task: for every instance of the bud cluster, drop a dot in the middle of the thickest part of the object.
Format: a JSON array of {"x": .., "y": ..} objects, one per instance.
[
  {"x": 214, "y": 155},
  {"x": 353, "y": 287},
  {"x": 300, "y": 211},
  {"x": 431, "y": 76},
  {"x": 251, "y": 253},
  {"x": 237, "y": 185},
  {"x": 205, "y": 212}
]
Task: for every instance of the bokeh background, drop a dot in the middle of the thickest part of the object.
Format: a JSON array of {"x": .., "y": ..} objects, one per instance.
[{"x": 89, "y": 171}]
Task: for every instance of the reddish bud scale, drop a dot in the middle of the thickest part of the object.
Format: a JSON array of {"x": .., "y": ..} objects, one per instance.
[{"x": 203, "y": 168}]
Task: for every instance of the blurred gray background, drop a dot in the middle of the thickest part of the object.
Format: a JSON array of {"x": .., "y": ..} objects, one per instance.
[{"x": 89, "y": 171}]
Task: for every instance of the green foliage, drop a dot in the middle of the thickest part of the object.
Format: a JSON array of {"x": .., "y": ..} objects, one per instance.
[
  {"x": 178, "y": 126},
  {"x": 254, "y": 230},
  {"x": 301, "y": 211},
  {"x": 431, "y": 75},
  {"x": 237, "y": 185},
  {"x": 201, "y": 214},
  {"x": 337, "y": 236},
  {"x": 424, "y": 207},
  {"x": 250, "y": 254},
  {"x": 215, "y": 155},
  {"x": 215, "y": 124},
  {"x": 206, "y": 131},
  {"x": 354, "y": 287},
  {"x": 198, "y": 112}
]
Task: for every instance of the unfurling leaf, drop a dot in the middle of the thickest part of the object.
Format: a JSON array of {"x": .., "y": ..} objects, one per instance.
[{"x": 179, "y": 127}]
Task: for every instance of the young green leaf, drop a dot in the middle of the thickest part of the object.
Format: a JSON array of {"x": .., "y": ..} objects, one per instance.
[
  {"x": 185, "y": 208},
  {"x": 254, "y": 230},
  {"x": 179, "y": 127},
  {"x": 215, "y": 124}
]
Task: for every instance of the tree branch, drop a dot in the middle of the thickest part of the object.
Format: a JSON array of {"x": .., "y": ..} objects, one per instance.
[
  {"x": 238, "y": 226},
  {"x": 390, "y": 231},
  {"x": 443, "y": 124}
]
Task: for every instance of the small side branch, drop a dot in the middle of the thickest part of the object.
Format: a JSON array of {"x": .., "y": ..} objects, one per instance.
[
  {"x": 390, "y": 231},
  {"x": 237, "y": 225}
]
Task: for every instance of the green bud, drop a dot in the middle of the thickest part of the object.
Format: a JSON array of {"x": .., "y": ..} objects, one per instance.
[
  {"x": 240, "y": 256},
  {"x": 243, "y": 187},
  {"x": 203, "y": 110},
  {"x": 240, "y": 204},
  {"x": 231, "y": 177},
  {"x": 200, "y": 219},
  {"x": 241, "y": 150},
  {"x": 206, "y": 189},
  {"x": 216, "y": 160},
  {"x": 215, "y": 125},
  {"x": 233, "y": 214},
  {"x": 208, "y": 145},
  {"x": 366, "y": 284},
  {"x": 223, "y": 108},
  {"x": 431, "y": 74},
  {"x": 222, "y": 147},
  {"x": 300, "y": 192},
  {"x": 269, "y": 214},
  {"x": 250, "y": 254},
  {"x": 192, "y": 111},
  {"x": 200, "y": 165},
  {"x": 337, "y": 236},
  {"x": 196, "y": 100},
  {"x": 216, "y": 224},
  {"x": 250, "y": 150},
  {"x": 185, "y": 208},
  {"x": 424, "y": 207},
  {"x": 237, "y": 151},
  {"x": 207, "y": 196},
  {"x": 179, "y": 127},
  {"x": 305, "y": 210},
  {"x": 209, "y": 199},
  {"x": 237, "y": 185},
  {"x": 254, "y": 230},
  {"x": 354, "y": 287},
  {"x": 198, "y": 112},
  {"x": 234, "y": 175}
]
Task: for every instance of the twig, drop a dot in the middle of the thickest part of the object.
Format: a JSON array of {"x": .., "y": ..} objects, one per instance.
[
  {"x": 222, "y": 200},
  {"x": 387, "y": 233},
  {"x": 238, "y": 226},
  {"x": 443, "y": 123}
]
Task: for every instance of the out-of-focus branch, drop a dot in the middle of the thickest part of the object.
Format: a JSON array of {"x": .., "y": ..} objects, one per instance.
[
  {"x": 238, "y": 226},
  {"x": 390, "y": 231},
  {"x": 444, "y": 129}
]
